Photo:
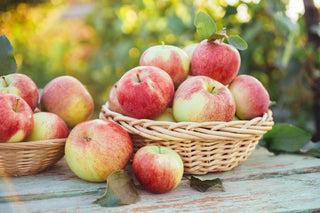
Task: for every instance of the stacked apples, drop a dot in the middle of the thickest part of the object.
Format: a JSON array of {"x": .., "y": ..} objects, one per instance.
[{"x": 64, "y": 102}]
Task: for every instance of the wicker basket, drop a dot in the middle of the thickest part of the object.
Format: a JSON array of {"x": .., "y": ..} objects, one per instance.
[
  {"x": 26, "y": 158},
  {"x": 204, "y": 147}
]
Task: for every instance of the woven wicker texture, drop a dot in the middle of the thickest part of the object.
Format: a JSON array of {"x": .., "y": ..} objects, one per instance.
[
  {"x": 203, "y": 147},
  {"x": 26, "y": 158}
]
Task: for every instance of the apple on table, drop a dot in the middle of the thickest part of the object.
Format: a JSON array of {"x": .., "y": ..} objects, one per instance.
[
  {"x": 145, "y": 92},
  {"x": 201, "y": 99},
  {"x": 96, "y": 148},
  {"x": 16, "y": 118},
  {"x": 159, "y": 169},
  {"x": 67, "y": 97},
  {"x": 22, "y": 86},
  {"x": 169, "y": 58}
]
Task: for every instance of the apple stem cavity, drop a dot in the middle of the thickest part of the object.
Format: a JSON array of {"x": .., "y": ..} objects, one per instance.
[
  {"x": 87, "y": 139},
  {"x": 4, "y": 79}
]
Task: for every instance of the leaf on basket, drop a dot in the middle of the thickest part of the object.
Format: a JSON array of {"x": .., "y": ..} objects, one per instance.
[
  {"x": 120, "y": 191},
  {"x": 204, "y": 185},
  {"x": 286, "y": 138}
]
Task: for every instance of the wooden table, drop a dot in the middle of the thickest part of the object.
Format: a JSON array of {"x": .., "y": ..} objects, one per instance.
[{"x": 263, "y": 183}]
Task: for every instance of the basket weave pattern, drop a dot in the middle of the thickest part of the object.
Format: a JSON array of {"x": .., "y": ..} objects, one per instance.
[
  {"x": 26, "y": 158},
  {"x": 203, "y": 147}
]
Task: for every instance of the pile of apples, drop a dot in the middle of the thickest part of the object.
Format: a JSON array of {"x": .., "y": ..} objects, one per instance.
[{"x": 27, "y": 115}]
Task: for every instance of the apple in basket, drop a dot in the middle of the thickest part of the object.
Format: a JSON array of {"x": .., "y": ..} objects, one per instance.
[
  {"x": 22, "y": 86},
  {"x": 201, "y": 99},
  {"x": 96, "y": 148},
  {"x": 145, "y": 92},
  {"x": 67, "y": 97},
  {"x": 159, "y": 169},
  {"x": 217, "y": 60},
  {"x": 46, "y": 126},
  {"x": 16, "y": 118},
  {"x": 252, "y": 99},
  {"x": 169, "y": 58},
  {"x": 113, "y": 100}
]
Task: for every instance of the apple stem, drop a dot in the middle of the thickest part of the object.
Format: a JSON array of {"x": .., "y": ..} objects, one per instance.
[
  {"x": 4, "y": 79},
  {"x": 212, "y": 89},
  {"x": 162, "y": 42},
  {"x": 139, "y": 79},
  {"x": 224, "y": 33},
  {"x": 87, "y": 138},
  {"x": 16, "y": 105}
]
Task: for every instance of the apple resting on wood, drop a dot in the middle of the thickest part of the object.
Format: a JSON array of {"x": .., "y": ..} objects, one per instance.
[
  {"x": 67, "y": 97},
  {"x": 145, "y": 92},
  {"x": 201, "y": 99},
  {"x": 252, "y": 99},
  {"x": 22, "y": 86},
  {"x": 159, "y": 169},
  {"x": 169, "y": 58},
  {"x": 96, "y": 148},
  {"x": 16, "y": 118}
]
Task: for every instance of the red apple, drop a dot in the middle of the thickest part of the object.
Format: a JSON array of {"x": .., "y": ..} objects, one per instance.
[
  {"x": 159, "y": 169},
  {"x": 200, "y": 99},
  {"x": 252, "y": 99},
  {"x": 113, "y": 100},
  {"x": 145, "y": 92},
  {"x": 217, "y": 60},
  {"x": 20, "y": 85},
  {"x": 190, "y": 49},
  {"x": 46, "y": 126},
  {"x": 169, "y": 58},
  {"x": 16, "y": 118},
  {"x": 96, "y": 148},
  {"x": 67, "y": 97}
]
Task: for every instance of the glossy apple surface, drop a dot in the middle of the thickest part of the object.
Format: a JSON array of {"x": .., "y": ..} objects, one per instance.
[
  {"x": 200, "y": 99},
  {"x": 67, "y": 97},
  {"x": 46, "y": 126},
  {"x": 16, "y": 118},
  {"x": 169, "y": 58},
  {"x": 216, "y": 60},
  {"x": 20, "y": 85},
  {"x": 159, "y": 169},
  {"x": 96, "y": 148},
  {"x": 145, "y": 92},
  {"x": 251, "y": 97}
]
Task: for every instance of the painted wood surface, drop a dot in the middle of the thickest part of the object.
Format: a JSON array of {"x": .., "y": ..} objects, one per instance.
[{"x": 263, "y": 183}]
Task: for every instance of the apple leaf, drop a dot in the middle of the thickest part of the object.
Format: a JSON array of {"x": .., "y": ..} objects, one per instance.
[
  {"x": 204, "y": 185},
  {"x": 120, "y": 190},
  {"x": 237, "y": 42},
  {"x": 286, "y": 138},
  {"x": 7, "y": 61},
  {"x": 205, "y": 25}
]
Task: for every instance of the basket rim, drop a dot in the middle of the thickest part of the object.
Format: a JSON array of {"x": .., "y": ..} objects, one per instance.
[{"x": 33, "y": 144}]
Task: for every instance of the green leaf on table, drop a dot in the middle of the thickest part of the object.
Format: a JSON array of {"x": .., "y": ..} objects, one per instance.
[
  {"x": 120, "y": 191},
  {"x": 205, "y": 25},
  {"x": 286, "y": 138},
  {"x": 7, "y": 61},
  {"x": 237, "y": 42},
  {"x": 204, "y": 185}
]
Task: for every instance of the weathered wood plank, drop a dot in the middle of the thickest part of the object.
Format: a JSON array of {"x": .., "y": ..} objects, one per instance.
[{"x": 299, "y": 192}]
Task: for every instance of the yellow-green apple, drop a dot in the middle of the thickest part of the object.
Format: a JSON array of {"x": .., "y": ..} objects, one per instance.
[
  {"x": 217, "y": 60},
  {"x": 251, "y": 97},
  {"x": 20, "y": 85},
  {"x": 159, "y": 169},
  {"x": 113, "y": 103},
  {"x": 200, "y": 99},
  {"x": 96, "y": 148},
  {"x": 16, "y": 118},
  {"x": 167, "y": 115},
  {"x": 169, "y": 58},
  {"x": 190, "y": 49},
  {"x": 46, "y": 126},
  {"x": 67, "y": 97},
  {"x": 145, "y": 92}
]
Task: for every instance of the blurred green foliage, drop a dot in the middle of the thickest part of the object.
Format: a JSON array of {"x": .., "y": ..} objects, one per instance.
[{"x": 100, "y": 47}]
